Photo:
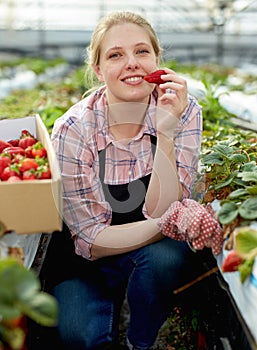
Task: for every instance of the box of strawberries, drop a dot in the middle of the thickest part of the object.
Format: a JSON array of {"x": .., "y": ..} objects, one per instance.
[{"x": 30, "y": 180}]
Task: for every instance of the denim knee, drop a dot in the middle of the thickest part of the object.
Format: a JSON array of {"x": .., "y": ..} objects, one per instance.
[
  {"x": 168, "y": 261},
  {"x": 86, "y": 318}
]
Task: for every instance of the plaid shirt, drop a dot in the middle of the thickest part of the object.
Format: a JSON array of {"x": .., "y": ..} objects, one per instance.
[{"x": 82, "y": 132}]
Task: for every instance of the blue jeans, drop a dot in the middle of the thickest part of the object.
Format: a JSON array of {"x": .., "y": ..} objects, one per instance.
[{"x": 89, "y": 306}]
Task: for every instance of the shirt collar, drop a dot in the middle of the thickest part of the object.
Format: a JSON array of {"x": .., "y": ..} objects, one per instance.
[{"x": 100, "y": 106}]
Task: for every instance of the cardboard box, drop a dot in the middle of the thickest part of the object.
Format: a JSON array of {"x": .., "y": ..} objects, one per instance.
[{"x": 31, "y": 206}]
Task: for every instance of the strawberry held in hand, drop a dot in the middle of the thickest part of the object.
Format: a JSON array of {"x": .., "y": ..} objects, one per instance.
[{"x": 155, "y": 77}]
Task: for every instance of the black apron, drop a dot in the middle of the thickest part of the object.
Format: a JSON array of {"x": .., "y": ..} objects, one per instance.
[{"x": 61, "y": 262}]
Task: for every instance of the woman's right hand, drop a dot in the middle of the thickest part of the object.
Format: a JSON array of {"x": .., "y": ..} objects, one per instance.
[{"x": 172, "y": 101}]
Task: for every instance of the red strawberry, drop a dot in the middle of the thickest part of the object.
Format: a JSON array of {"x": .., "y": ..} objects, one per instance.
[
  {"x": 28, "y": 152},
  {"x": 231, "y": 262},
  {"x": 3, "y": 145},
  {"x": 25, "y": 133},
  {"x": 17, "y": 158},
  {"x": 38, "y": 150},
  {"x": 11, "y": 170},
  {"x": 29, "y": 175},
  {"x": 13, "y": 178},
  {"x": 44, "y": 172},
  {"x": 14, "y": 150},
  {"x": 27, "y": 141},
  {"x": 28, "y": 164},
  {"x": 14, "y": 142},
  {"x": 155, "y": 77},
  {"x": 5, "y": 160}
]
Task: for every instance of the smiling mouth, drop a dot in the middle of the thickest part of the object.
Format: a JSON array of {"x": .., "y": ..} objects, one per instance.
[{"x": 133, "y": 79}]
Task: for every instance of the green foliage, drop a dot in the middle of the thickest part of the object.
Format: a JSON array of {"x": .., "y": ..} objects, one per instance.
[
  {"x": 20, "y": 296},
  {"x": 20, "y": 103},
  {"x": 213, "y": 112},
  {"x": 50, "y": 100},
  {"x": 208, "y": 72},
  {"x": 36, "y": 64},
  {"x": 226, "y": 167}
]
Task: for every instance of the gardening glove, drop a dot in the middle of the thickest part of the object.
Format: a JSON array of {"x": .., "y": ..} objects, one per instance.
[{"x": 190, "y": 221}]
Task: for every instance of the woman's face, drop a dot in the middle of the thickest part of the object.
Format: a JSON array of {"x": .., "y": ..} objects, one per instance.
[{"x": 126, "y": 56}]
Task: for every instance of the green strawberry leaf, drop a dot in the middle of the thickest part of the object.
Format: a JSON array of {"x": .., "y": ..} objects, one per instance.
[
  {"x": 248, "y": 167},
  {"x": 213, "y": 158},
  {"x": 246, "y": 242},
  {"x": 252, "y": 190},
  {"x": 248, "y": 210},
  {"x": 238, "y": 158},
  {"x": 227, "y": 213},
  {"x": 223, "y": 150},
  {"x": 20, "y": 294},
  {"x": 42, "y": 308},
  {"x": 248, "y": 176},
  {"x": 245, "y": 269},
  {"x": 237, "y": 194},
  {"x": 224, "y": 183}
]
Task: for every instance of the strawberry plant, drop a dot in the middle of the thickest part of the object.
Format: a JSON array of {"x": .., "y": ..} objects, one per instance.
[
  {"x": 20, "y": 297},
  {"x": 214, "y": 113},
  {"x": 229, "y": 175},
  {"x": 242, "y": 257},
  {"x": 185, "y": 331},
  {"x": 242, "y": 201}
]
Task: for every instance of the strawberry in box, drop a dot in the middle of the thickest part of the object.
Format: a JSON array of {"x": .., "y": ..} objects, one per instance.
[
  {"x": 30, "y": 180},
  {"x": 25, "y": 159}
]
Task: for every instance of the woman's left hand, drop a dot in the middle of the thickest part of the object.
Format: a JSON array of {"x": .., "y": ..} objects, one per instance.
[{"x": 173, "y": 97}]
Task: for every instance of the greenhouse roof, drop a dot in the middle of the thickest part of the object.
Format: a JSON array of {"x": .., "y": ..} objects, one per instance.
[{"x": 238, "y": 16}]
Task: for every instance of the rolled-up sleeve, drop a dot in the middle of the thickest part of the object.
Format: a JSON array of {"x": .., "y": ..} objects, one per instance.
[
  {"x": 187, "y": 142},
  {"x": 85, "y": 210}
]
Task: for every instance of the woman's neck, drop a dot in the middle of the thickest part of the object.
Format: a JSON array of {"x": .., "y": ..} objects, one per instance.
[{"x": 126, "y": 119}]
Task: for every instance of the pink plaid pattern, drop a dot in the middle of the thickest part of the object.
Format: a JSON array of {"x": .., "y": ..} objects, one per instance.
[{"x": 83, "y": 131}]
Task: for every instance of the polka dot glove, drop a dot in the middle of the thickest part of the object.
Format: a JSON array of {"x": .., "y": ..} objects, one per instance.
[{"x": 190, "y": 221}]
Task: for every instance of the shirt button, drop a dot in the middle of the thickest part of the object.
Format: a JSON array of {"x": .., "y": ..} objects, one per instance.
[{"x": 130, "y": 172}]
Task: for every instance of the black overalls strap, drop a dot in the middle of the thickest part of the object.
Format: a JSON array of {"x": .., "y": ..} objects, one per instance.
[{"x": 126, "y": 200}]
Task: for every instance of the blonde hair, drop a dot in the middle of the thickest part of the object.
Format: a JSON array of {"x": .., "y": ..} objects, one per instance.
[{"x": 105, "y": 23}]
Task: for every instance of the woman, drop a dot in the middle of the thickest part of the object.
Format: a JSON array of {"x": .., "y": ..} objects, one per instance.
[{"x": 126, "y": 152}]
